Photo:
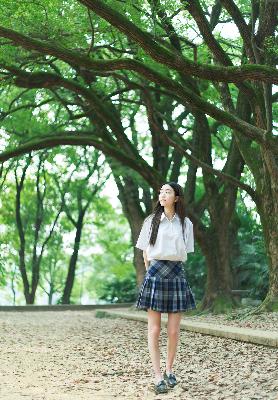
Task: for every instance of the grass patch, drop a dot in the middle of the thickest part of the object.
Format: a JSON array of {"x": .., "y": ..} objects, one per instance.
[{"x": 104, "y": 314}]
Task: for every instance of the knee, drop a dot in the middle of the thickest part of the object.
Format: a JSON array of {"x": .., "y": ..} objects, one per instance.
[
  {"x": 173, "y": 332},
  {"x": 154, "y": 330}
]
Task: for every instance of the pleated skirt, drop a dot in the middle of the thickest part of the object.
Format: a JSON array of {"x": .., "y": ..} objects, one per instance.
[{"x": 165, "y": 288}]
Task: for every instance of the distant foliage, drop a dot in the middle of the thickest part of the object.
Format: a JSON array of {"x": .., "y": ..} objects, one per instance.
[
  {"x": 196, "y": 273},
  {"x": 119, "y": 290}
]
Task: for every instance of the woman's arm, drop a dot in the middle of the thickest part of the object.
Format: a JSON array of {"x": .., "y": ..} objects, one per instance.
[{"x": 145, "y": 259}]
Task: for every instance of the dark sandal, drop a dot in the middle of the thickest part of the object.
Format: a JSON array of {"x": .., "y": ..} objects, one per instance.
[
  {"x": 161, "y": 387},
  {"x": 170, "y": 379}
]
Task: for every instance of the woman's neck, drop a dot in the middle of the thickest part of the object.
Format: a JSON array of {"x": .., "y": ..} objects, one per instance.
[{"x": 169, "y": 212}]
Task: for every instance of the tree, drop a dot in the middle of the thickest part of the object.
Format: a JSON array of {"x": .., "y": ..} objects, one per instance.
[
  {"x": 82, "y": 188},
  {"x": 35, "y": 225}
]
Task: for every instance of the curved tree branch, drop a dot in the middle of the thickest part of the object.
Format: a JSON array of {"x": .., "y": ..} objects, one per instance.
[
  {"x": 84, "y": 138},
  {"x": 187, "y": 97},
  {"x": 159, "y": 53},
  {"x": 175, "y": 61},
  {"x": 220, "y": 55},
  {"x": 103, "y": 109},
  {"x": 208, "y": 168},
  {"x": 243, "y": 28}
]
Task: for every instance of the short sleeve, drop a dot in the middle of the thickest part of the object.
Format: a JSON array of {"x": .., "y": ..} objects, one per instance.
[
  {"x": 190, "y": 237},
  {"x": 144, "y": 236}
]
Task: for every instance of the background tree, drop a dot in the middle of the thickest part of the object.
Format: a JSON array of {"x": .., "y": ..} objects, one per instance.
[
  {"x": 36, "y": 219},
  {"x": 82, "y": 189}
]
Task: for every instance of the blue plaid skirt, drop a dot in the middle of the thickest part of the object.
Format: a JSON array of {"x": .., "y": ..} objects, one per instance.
[{"x": 165, "y": 288}]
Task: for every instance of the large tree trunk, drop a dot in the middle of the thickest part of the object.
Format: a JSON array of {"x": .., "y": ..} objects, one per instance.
[
  {"x": 264, "y": 166},
  {"x": 216, "y": 240},
  {"x": 217, "y": 250},
  {"x": 268, "y": 210}
]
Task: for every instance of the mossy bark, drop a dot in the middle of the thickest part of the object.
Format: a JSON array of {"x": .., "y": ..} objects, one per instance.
[
  {"x": 218, "y": 241},
  {"x": 268, "y": 209},
  {"x": 218, "y": 292},
  {"x": 264, "y": 165}
]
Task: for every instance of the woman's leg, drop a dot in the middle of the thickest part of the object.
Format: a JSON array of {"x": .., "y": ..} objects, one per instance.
[
  {"x": 173, "y": 330},
  {"x": 154, "y": 327}
]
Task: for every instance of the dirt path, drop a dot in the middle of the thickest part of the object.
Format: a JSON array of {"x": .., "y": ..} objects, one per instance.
[{"x": 71, "y": 355}]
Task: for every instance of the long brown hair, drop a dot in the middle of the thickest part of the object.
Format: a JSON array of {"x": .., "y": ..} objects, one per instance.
[{"x": 158, "y": 210}]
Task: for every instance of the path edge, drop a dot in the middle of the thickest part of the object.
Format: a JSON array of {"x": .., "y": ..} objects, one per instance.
[{"x": 249, "y": 335}]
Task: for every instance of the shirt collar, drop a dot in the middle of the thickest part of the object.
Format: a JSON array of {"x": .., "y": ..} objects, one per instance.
[{"x": 164, "y": 216}]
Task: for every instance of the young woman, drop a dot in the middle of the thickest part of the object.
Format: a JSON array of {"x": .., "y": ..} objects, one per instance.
[{"x": 165, "y": 238}]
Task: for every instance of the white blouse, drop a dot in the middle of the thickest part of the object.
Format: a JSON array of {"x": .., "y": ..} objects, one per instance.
[{"x": 169, "y": 243}]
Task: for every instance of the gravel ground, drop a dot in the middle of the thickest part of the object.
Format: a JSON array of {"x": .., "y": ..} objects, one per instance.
[{"x": 70, "y": 355}]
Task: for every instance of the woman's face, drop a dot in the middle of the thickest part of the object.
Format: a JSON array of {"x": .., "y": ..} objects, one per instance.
[{"x": 167, "y": 196}]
